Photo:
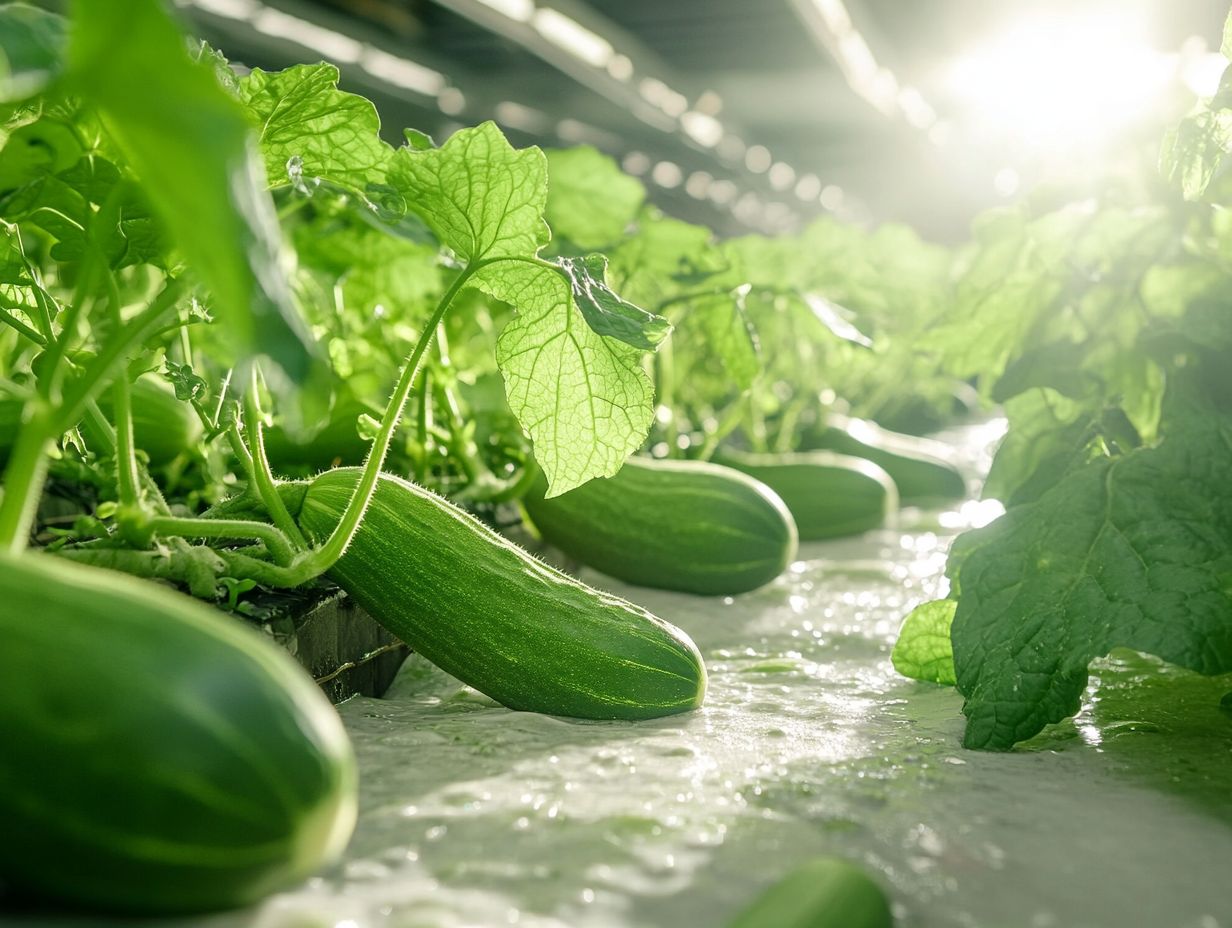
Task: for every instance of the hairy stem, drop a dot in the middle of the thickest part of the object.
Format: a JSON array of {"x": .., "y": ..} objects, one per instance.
[{"x": 263, "y": 477}]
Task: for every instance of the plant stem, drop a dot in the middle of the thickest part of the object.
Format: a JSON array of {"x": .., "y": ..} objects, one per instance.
[
  {"x": 24, "y": 477},
  {"x": 267, "y": 489},
  {"x": 328, "y": 554},
  {"x": 112, "y": 355},
  {"x": 126, "y": 448},
  {"x": 9, "y": 319},
  {"x": 272, "y": 537}
]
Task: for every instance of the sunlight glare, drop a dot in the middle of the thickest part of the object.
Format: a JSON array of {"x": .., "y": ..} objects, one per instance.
[{"x": 1063, "y": 81}]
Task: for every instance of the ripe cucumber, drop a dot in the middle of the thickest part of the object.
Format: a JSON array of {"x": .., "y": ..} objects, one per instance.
[
  {"x": 830, "y": 495},
  {"x": 919, "y": 466},
  {"x": 688, "y": 526},
  {"x": 482, "y": 609},
  {"x": 826, "y": 892},
  {"x": 158, "y": 757}
]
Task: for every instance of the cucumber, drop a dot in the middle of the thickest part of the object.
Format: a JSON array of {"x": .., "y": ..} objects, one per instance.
[
  {"x": 482, "y": 609},
  {"x": 338, "y": 443},
  {"x": 158, "y": 757},
  {"x": 826, "y": 892},
  {"x": 688, "y": 526},
  {"x": 919, "y": 466},
  {"x": 830, "y": 495},
  {"x": 163, "y": 426}
]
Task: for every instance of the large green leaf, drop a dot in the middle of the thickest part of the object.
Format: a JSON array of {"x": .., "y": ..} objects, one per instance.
[
  {"x": 482, "y": 197},
  {"x": 584, "y": 398},
  {"x": 190, "y": 145},
  {"x": 31, "y": 50},
  {"x": 309, "y": 129},
  {"x": 1134, "y": 552},
  {"x": 591, "y": 201}
]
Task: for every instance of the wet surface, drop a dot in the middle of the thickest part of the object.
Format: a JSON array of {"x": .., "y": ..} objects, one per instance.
[{"x": 809, "y": 743}]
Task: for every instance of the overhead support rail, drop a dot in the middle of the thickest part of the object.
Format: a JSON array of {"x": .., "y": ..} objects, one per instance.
[
  {"x": 595, "y": 54},
  {"x": 830, "y": 24}
]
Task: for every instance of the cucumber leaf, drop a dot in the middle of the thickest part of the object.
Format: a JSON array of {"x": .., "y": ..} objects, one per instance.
[
  {"x": 584, "y": 398},
  {"x": 604, "y": 311},
  {"x": 31, "y": 50},
  {"x": 591, "y": 201},
  {"x": 189, "y": 143},
  {"x": 480, "y": 196},
  {"x": 309, "y": 129},
  {"x": 923, "y": 650},
  {"x": 1130, "y": 552}
]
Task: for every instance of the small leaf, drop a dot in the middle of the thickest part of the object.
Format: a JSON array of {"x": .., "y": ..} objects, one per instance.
[
  {"x": 607, "y": 313},
  {"x": 31, "y": 50},
  {"x": 923, "y": 650}
]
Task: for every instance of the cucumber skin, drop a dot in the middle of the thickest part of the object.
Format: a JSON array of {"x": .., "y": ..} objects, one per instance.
[
  {"x": 826, "y": 892},
  {"x": 159, "y": 758},
  {"x": 688, "y": 526},
  {"x": 484, "y": 610},
  {"x": 830, "y": 495},
  {"x": 917, "y": 465}
]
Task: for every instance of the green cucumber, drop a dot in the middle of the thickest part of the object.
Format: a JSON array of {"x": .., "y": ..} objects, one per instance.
[
  {"x": 688, "y": 526},
  {"x": 826, "y": 892},
  {"x": 919, "y": 466},
  {"x": 482, "y": 609},
  {"x": 163, "y": 426},
  {"x": 338, "y": 443},
  {"x": 158, "y": 757},
  {"x": 830, "y": 495}
]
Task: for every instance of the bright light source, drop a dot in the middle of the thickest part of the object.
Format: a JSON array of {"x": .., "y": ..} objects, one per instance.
[
  {"x": 333, "y": 45},
  {"x": 834, "y": 15},
  {"x": 231, "y": 9},
  {"x": 402, "y": 73},
  {"x": 657, "y": 93},
  {"x": 620, "y": 67},
  {"x": 782, "y": 175},
  {"x": 1062, "y": 82},
  {"x": 525, "y": 118},
  {"x": 573, "y": 37},
  {"x": 518, "y": 10},
  {"x": 667, "y": 174},
  {"x": 704, "y": 130},
  {"x": 757, "y": 159},
  {"x": 698, "y": 184},
  {"x": 1006, "y": 182},
  {"x": 831, "y": 197},
  {"x": 635, "y": 163},
  {"x": 451, "y": 101},
  {"x": 809, "y": 187},
  {"x": 915, "y": 108}
]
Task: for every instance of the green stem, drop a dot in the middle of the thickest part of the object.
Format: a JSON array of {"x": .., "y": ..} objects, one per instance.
[
  {"x": 112, "y": 355},
  {"x": 98, "y": 432},
  {"x": 267, "y": 489},
  {"x": 9, "y": 319},
  {"x": 323, "y": 558},
  {"x": 665, "y": 367},
  {"x": 24, "y": 478},
  {"x": 126, "y": 448},
  {"x": 727, "y": 423},
  {"x": 272, "y": 537}
]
